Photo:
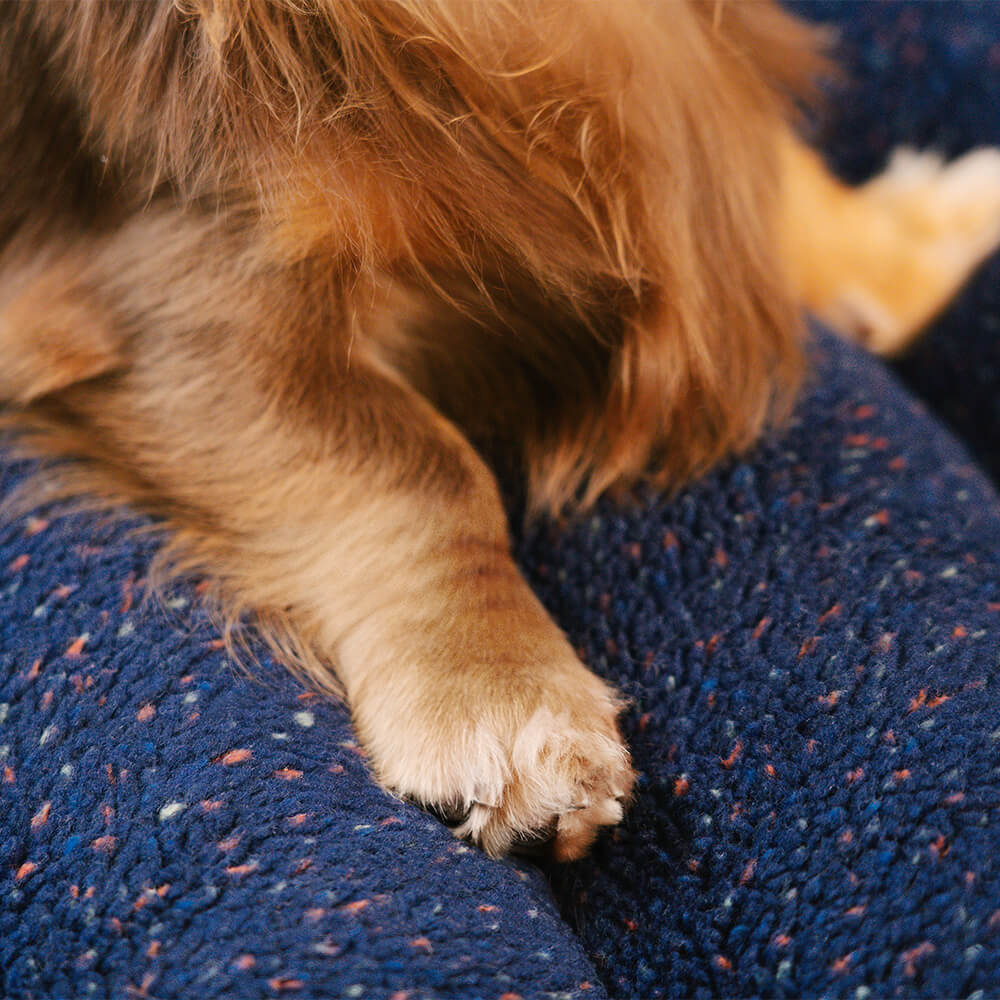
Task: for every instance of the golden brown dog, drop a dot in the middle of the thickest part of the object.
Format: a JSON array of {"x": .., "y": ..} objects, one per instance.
[{"x": 267, "y": 267}]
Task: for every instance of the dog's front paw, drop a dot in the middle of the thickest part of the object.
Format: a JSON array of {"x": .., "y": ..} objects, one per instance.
[
  {"x": 518, "y": 746},
  {"x": 564, "y": 775}
]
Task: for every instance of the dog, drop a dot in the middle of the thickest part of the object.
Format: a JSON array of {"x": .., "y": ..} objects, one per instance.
[{"x": 279, "y": 273}]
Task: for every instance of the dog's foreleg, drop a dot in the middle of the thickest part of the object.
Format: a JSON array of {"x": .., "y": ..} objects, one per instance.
[{"x": 330, "y": 497}]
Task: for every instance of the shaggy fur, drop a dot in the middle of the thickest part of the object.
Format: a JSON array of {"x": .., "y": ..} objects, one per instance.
[{"x": 267, "y": 267}]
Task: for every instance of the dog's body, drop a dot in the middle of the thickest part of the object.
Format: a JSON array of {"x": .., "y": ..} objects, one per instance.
[{"x": 266, "y": 268}]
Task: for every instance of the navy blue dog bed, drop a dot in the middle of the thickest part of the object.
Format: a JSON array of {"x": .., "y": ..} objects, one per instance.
[{"x": 809, "y": 639}]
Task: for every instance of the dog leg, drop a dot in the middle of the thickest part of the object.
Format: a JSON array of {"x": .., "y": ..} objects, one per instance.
[
  {"x": 329, "y": 496},
  {"x": 879, "y": 261}
]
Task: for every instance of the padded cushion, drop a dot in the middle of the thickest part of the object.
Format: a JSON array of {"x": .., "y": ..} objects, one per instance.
[
  {"x": 810, "y": 641},
  {"x": 171, "y": 826}
]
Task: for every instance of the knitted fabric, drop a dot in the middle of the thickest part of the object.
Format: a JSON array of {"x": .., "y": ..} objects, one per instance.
[
  {"x": 808, "y": 639},
  {"x": 810, "y": 643},
  {"x": 171, "y": 827}
]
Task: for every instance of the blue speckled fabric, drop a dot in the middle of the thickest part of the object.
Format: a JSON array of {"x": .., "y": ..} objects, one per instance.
[
  {"x": 809, "y": 639},
  {"x": 171, "y": 829}
]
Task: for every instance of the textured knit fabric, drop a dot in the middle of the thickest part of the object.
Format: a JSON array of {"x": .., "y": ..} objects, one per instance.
[
  {"x": 169, "y": 826},
  {"x": 809, "y": 639}
]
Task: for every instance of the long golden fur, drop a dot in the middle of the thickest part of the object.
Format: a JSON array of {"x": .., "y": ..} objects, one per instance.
[{"x": 268, "y": 266}]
